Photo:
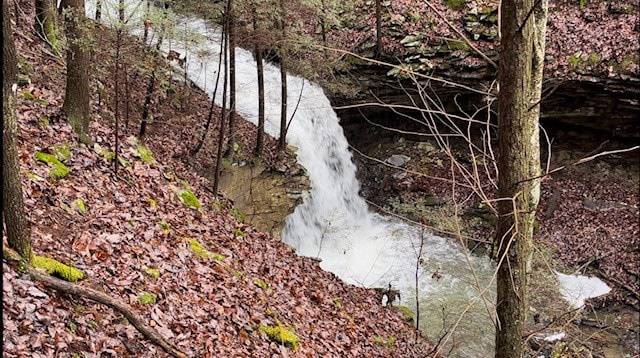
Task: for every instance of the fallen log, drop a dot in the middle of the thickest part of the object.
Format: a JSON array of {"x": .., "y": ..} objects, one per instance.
[{"x": 154, "y": 336}]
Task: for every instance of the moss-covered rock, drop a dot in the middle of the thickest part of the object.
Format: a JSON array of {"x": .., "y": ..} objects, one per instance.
[
  {"x": 407, "y": 314},
  {"x": 56, "y": 268},
  {"x": 188, "y": 198},
  {"x": 58, "y": 170},
  {"x": 144, "y": 154}
]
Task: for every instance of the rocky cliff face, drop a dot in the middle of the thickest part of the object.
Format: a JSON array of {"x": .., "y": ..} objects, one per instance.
[{"x": 609, "y": 108}]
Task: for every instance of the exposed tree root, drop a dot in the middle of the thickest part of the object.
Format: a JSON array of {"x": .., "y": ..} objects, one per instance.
[{"x": 79, "y": 291}]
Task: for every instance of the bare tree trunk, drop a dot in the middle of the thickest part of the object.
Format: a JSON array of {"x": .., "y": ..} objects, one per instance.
[
  {"x": 147, "y": 104},
  {"x": 117, "y": 100},
  {"x": 98, "y": 10},
  {"x": 18, "y": 231},
  {"x": 213, "y": 101},
  {"x": 378, "y": 28},
  {"x": 216, "y": 179},
  {"x": 121, "y": 11},
  {"x": 76, "y": 101},
  {"x": 232, "y": 77},
  {"x": 282, "y": 143},
  {"x": 260, "y": 66},
  {"x": 520, "y": 78}
]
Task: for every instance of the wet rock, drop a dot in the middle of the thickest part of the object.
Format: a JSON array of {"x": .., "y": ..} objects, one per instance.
[{"x": 398, "y": 160}]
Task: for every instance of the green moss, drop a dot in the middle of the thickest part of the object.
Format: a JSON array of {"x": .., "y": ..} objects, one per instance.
[
  {"x": 218, "y": 257},
  {"x": 56, "y": 268},
  {"x": 62, "y": 151},
  {"x": 389, "y": 342},
  {"x": 594, "y": 58},
  {"x": 238, "y": 232},
  {"x": 456, "y": 4},
  {"x": 153, "y": 203},
  {"x": 260, "y": 283},
  {"x": 189, "y": 199},
  {"x": 574, "y": 60},
  {"x": 281, "y": 335},
  {"x": 152, "y": 272},
  {"x": 80, "y": 207},
  {"x": 197, "y": 248},
  {"x": 457, "y": 45},
  {"x": 165, "y": 226},
  {"x": 58, "y": 169},
  {"x": 407, "y": 314},
  {"x": 237, "y": 214},
  {"x": 145, "y": 154},
  {"x": 106, "y": 154},
  {"x": 337, "y": 303},
  {"x": 28, "y": 95},
  {"x": 147, "y": 298}
]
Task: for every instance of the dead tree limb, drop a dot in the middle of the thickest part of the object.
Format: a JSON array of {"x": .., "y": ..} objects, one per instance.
[{"x": 76, "y": 290}]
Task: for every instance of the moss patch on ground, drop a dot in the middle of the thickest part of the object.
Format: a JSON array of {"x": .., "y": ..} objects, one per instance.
[{"x": 56, "y": 268}]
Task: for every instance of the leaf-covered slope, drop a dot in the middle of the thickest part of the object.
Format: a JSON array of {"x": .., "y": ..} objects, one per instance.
[{"x": 132, "y": 235}]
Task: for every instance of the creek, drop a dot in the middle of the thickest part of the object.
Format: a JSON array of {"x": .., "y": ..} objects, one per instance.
[{"x": 455, "y": 289}]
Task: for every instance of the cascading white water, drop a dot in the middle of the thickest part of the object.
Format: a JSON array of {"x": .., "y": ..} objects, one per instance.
[{"x": 334, "y": 222}]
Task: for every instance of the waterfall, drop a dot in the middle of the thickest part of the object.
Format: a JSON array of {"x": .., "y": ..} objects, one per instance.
[{"x": 334, "y": 223}]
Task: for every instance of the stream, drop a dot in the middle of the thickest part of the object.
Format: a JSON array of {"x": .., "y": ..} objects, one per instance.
[{"x": 455, "y": 289}]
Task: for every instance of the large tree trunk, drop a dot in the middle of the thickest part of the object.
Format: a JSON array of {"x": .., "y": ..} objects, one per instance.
[
  {"x": 18, "y": 231},
  {"x": 520, "y": 78},
  {"x": 76, "y": 101}
]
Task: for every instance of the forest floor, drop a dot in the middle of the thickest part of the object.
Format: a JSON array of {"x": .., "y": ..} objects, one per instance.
[{"x": 217, "y": 284}]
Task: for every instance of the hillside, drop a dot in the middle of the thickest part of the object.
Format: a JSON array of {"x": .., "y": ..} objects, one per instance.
[{"x": 206, "y": 281}]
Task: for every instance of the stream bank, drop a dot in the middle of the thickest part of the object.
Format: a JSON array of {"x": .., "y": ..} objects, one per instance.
[{"x": 588, "y": 223}]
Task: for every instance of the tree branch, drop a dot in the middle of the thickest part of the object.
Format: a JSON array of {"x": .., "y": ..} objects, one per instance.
[{"x": 76, "y": 290}]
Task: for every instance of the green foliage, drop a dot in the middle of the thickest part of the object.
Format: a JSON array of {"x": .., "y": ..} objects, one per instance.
[
  {"x": 152, "y": 272},
  {"x": 238, "y": 232},
  {"x": 237, "y": 214},
  {"x": 80, "y": 206},
  {"x": 188, "y": 198},
  {"x": 387, "y": 343},
  {"x": 145, "y": 154},
  {"x": 165, "y": 226},
  {"x": 260, "y": 283},
  {"x": 72, "y": 327},
  {"x": 281, "y": 335},
  {"x": 58, "y": 169},
  {"x": 197, "y": 248},
  {"x": 583, "y": 3},
  {"x": 147, "y": 298},
  {"x": 56, "y": 268},
  {"x": 407, "y": 315},
  {"x": 62, "y": 151},
  {"x": 458, "y": 5},
  {"x": 337, "y": 303},
  {"x": 108, "y": 155},
  {"x": 152, "y": 203}
]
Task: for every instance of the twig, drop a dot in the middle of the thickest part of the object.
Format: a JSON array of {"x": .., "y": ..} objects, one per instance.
[{"x": 76, "y": 290}]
